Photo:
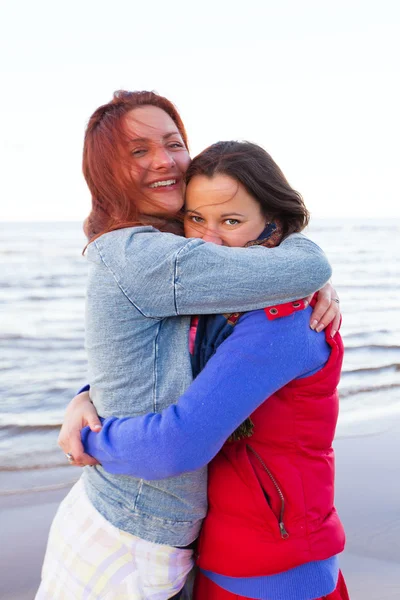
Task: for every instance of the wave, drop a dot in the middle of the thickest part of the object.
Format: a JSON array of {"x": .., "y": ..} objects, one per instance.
[
  {"x": 59, "y": 344},
  {"x": 375, "y": 227},
  {"x": 39, "y": 488},
  {"x": 65, "y": 280},
  {"x": 8, "y": 367},
  {"x": 33, "y": 467},
  {"x": 33, "y": 298},
  {"x": 24, "y": 429},
  {"x": 12, "y": 337},
  {"x": 62, "y": 298},
  {"x": 380, "y": 286},
  {"x": 346, "y": 225},
  {"x": 366, "y": 370},
  {"x": 366, "y": 334},
  {"x": 372, "y": 347},
  {"x": 368, "y": 389}
]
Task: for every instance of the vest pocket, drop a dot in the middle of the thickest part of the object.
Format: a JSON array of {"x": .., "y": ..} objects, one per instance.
[{"x": 280, "y": 516}]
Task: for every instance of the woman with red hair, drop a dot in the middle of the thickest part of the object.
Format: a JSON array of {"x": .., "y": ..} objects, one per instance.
[
  {"x": 119, "y": 169},
  {"x": 123, "y": 537}
]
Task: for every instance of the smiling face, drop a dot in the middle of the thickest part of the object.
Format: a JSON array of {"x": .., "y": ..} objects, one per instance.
[
  {"x": 158, "y": 160},
  {"x": 219, "y": 209}
]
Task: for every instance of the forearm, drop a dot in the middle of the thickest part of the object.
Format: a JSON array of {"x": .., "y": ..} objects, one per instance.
[
  {"x": 186, "y": 436},
  {"x": 163, "y": 275},
  {"x": 248, "y": 279}
]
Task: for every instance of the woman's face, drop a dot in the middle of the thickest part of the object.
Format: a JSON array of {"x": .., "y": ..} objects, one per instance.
[
  {"x": 219, "y": 209},
  {"x": 158, "y": 160}
]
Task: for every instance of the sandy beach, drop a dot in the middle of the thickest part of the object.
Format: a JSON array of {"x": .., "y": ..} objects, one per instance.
[
  {"x": 25, "y": 518},
  {"x": 367, "y": 497},
  {"x": 368, "y": 493}
]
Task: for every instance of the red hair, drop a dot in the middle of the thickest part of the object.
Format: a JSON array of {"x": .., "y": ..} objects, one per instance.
[{"x": 113, "y": 202}]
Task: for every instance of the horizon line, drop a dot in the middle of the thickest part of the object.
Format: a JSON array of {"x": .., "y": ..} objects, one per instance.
[{"x": 313, "y": 217}]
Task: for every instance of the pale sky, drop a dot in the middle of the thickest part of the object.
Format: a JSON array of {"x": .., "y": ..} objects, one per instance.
[{"x": 316, "y": 83}]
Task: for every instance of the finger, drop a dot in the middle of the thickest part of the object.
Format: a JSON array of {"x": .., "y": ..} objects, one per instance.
[
  {"x": 89, "y": 461},
  {"x": 77, "y": 450},
  {"x": 94, "y": 422},
  {"x": 85, "y": 461},
  {"x": 89, "y": 416},
  {"x": 62, "y": 441},
  {"x": 335, "y": 324},
  {"x": 75, "y": 445},
  {"x": 319, "y": 311},
  {"x": 327, "y": 318},
  {"x": 307, "y": 300}
]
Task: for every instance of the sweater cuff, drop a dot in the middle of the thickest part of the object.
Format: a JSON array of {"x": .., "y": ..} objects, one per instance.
[{"x": 85, "y": 388}]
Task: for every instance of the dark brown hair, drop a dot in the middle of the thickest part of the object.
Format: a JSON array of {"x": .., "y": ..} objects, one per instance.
[
  {"x": 113, "y": 195},
  {"x": 254, "y": 168}
]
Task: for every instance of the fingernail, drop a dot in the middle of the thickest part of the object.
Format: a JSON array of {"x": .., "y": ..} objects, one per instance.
[
  {"x": 96, "y": 426},
  {"x": 313, "y": 324},
  {"x": 320, "y": 328},
  {"x": 333, "y": 333},
  {"x": 306, "y": 303}
]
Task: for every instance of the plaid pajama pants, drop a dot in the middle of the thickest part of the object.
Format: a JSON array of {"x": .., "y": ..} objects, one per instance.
[{"x": 87, "y": 558}]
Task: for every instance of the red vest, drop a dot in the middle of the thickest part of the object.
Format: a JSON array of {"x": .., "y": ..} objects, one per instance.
[{"x": 271, "y": 495}]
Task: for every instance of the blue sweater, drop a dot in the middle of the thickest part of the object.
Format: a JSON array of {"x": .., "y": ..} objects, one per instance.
[{"x": 257, "y": 359}]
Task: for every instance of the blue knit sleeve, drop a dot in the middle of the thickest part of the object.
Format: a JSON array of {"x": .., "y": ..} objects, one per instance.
[
  {"x": 85, "y": 388},
  {"x": 257, "y": 359}
]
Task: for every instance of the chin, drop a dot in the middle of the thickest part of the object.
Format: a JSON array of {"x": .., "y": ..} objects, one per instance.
[{"x": 171, "y": 208}]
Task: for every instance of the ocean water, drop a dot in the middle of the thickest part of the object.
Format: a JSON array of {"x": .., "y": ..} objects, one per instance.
[{"x": 43, "y": 363}]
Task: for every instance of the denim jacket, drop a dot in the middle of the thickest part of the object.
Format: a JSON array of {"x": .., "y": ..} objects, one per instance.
[{"x": 142, "y": 287}]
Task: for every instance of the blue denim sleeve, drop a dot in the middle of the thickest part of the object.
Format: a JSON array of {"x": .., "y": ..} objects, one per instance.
[
  {"x": 164, "y": 275},
  {"x": 258, "y": 358}
]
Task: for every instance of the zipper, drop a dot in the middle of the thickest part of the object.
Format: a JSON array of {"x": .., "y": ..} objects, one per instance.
[{"x": 282, "y": 528}]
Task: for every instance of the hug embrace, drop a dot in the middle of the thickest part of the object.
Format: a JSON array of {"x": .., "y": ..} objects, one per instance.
[{"x": 213, "y": 370}]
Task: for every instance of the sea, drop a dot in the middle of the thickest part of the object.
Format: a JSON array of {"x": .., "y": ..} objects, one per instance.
[{"x": 43, "y": 361}]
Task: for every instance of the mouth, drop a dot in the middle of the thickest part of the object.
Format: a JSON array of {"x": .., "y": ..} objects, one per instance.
[{"x": 164, "y": 184}]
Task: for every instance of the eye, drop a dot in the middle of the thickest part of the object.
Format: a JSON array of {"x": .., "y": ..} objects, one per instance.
[
  {"x": 196, "y": 219},
  {"x": 175, "y": 145},
  {"x": 138, "y": 152},
  {"x": 232, "y": 222}
]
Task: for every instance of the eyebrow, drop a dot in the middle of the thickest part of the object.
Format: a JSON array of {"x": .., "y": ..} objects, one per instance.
[
  {"x": 230, "y": 214},
  {"x": 165, "y": 137}
]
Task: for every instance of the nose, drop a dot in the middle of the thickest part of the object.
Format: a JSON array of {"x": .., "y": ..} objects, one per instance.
[
  {"x": 162, "y": 159},
  {"x": 210, "y": 235}
]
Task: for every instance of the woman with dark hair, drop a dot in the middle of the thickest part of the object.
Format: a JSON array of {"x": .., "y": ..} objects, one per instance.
[
  {"x": 271, "y": 531},
  {"x": 124, "y": 537}
]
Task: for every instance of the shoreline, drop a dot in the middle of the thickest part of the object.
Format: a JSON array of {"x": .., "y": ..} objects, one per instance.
[{"x": 367, "y": 494}]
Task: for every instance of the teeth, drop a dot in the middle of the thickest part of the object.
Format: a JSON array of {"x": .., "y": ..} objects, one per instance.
[{"x": 163, "y": 183}]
